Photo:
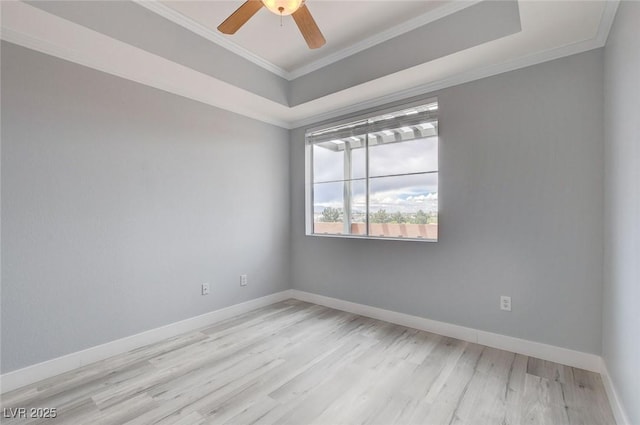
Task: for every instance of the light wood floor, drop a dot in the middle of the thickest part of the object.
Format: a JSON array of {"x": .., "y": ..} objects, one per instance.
[{"x": 299, "y": 363}]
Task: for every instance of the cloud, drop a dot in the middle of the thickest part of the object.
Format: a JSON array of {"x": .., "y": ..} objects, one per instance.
[
  {"x": 399, "y": 200},
  {"x": 412, "y": 156},
  {"x": 432, "y": 196},
  {"x": 404, "y": 193},
  {"x": 406, "y": 199},
  {"x": 401, "y": 158}
]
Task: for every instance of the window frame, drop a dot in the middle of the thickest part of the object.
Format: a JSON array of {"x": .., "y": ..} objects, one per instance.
[{"x": 309, "y": 183}]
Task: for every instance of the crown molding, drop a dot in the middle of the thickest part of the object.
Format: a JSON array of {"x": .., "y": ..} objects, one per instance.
[
  {"x": 89, "y": 59},
  {"x": 71, "y": 55},
  {"x": 193, "y": 26},
  {"x": 413, "y": 23},
  {"x": 596, "y": 42},
  {"x": 381, "y": 37},
  {"x": 608, "y": 16},
  {"x": 30, "y": 27},
  {"x": 464, "y": 77}
]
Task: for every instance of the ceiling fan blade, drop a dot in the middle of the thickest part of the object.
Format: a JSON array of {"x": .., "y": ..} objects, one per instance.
[
  {"x": 240, "y": 17},
  {"x": 308, "y": 27}
]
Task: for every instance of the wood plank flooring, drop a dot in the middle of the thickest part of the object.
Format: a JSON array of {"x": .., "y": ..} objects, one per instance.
[{"x": 299, "y": 363}]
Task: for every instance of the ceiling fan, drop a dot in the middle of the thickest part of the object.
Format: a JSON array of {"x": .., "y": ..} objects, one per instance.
[{"x": 296, "y": 8}]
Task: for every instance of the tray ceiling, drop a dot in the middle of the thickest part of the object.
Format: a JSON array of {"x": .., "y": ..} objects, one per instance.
[
  {"x": 173, "y": 46},
  {"x": 343, "y": 23}
]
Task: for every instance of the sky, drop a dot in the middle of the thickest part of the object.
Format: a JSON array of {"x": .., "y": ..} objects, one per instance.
[{"x": 406, "y": 194}]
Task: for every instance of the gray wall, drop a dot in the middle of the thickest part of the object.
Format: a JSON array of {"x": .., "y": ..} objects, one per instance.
[
  {"x": 119, "y": 200},
  {"x": 482, "y": 22},
  {"x": 621, "y": 315},
  {"x": 135, "y": 25},
  {"x": 521, "y": 183}
]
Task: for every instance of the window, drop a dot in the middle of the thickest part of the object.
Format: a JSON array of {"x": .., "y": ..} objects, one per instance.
[{"x": 375, "y": 177}]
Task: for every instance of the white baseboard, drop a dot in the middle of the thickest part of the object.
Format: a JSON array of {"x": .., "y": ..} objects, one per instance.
[
  {"x": 552, "y": 353},
  {"x": 47, "y": 369},
  {"x": 37, "y": 372},
  {"x": 616, "y": 406}
]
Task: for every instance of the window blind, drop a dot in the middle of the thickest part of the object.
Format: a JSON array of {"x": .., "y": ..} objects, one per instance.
[{"x": 407, "y": 124}]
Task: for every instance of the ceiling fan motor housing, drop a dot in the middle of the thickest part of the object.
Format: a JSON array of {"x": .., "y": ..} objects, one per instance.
[
  {"x": 297, "y": 8},
  {"x": 282, "y": 7}
]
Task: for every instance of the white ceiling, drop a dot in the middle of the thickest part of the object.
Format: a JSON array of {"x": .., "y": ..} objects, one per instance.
[
  {"x": 550, "y": 29},
  {"x": 343, "y": 23}
]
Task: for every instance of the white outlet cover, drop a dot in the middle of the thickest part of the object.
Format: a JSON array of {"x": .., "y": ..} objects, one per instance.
[
  {"x": 505, "y": 303},
  {"x": 243, "y": 280},
  {"x": 205, "y": 289}
]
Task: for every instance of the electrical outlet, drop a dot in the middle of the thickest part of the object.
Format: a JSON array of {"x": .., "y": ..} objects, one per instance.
[
  {"x": 243, "y": 280},
  {"x": 505, "y": 303},
  {"x": 205, "y": 289}
]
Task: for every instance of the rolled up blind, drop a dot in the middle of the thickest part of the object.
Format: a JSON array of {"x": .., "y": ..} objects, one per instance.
[{"x": 402, "y": 125}]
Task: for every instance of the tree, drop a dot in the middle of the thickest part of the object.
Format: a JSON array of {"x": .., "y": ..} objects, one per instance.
[
  {"x": 330, "y": 215},
  {"x": 380, "y": 217},
  {"x": 399, "y": 218},
  {"x": 420, "y": 218}
]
